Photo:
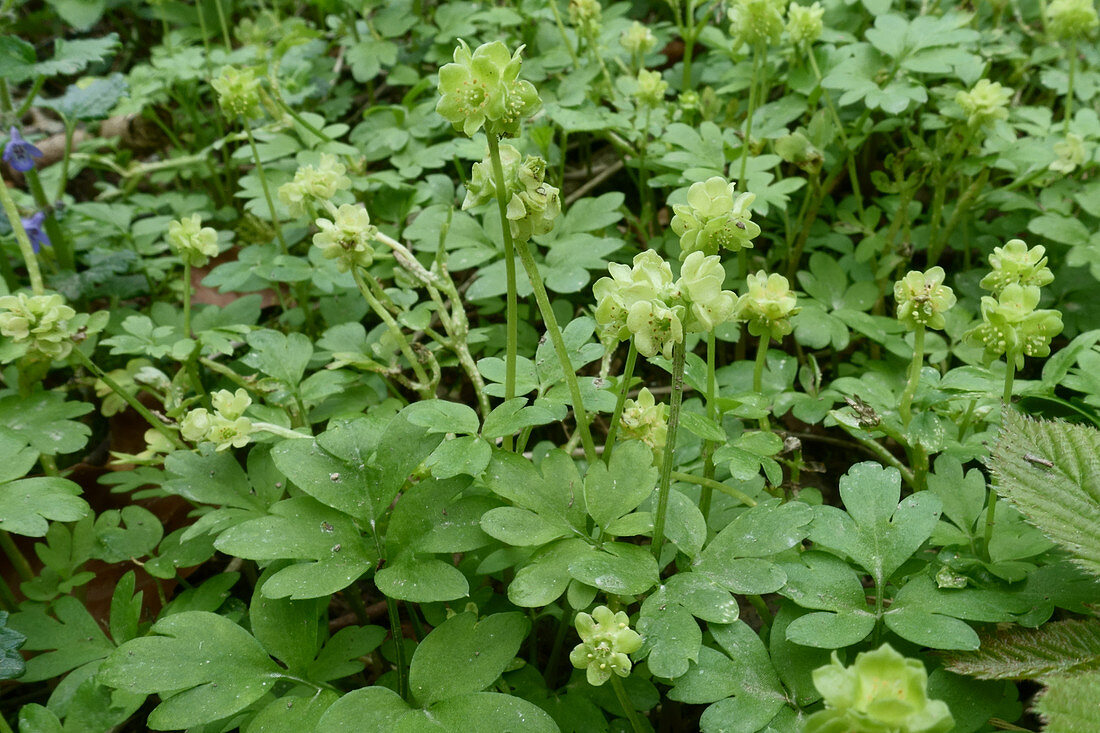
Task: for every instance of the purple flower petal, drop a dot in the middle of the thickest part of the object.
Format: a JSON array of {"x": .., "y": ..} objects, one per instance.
[{"x": 20, "y": 154}]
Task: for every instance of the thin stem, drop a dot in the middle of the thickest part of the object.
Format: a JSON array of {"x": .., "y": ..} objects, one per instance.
[
  {"x": 395, "y": 330},
  {"x": 624, "y": 387},
  {"x": 129, "y": 399},
  {"x": 628, "y": 706},
  {"x": 670, "y": 448},
  {"x": 398, "y": 648},
  {"x": 279, "y": 430},
  {"x": 564, "y": 624},
  {"x": 564, "y": 37},
  {"x": 511, "y": 346},
  {"x": 709, "y": 483},
  {"x": 554, "y": 331},
  {"x": 758, "y": 375},
  {"x": 267, "y": 191},
  {"x": 883, "y": 455},
  {"x": 756, "y": 54},
  {"x": 58, "y": 241},
  {"x": 225, "y": 27},
  {"x": 8, "y": 602},
  {"x": 1010, "y": 373},
  {"x": 25, "y": 248},
  {"x": 18, "y": 559},
  {"x": 712, "y": 414},
  {"x": 990, "y": 514},
  {"x": 187, "y": 300},
  {"x": 1069, "y": 89},
  {"x": 905, "y": 407}
]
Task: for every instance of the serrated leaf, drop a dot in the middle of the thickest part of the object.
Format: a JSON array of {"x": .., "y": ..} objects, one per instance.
[
  {"x": 11, "y": 661},
  {"x": 91, "y": 101},
  {"x": 71, "y": 56},
  {"x": 204, "y": 666},
  {"x": 1069, "y": 703},
  {"x": 1061, "y": 499},
  {"x": 1021, "y": 653}
]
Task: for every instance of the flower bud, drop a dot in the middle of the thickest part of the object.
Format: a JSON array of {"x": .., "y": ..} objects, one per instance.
[
  {"x": 347, "y": 239},
  {"x": 656, "y": 327},
  {"x": 756, "y": 22},
  {"x": 238, "y": 92},
  {"x": 713, "y": 219},
  {"x": 585, "y": 16},
  {"x": 1015, "y": 263},
  {"x": 881, "y": 691},
  {"x": 923, "y": 298},
  {"x": 1070, "y": 19},
  {"x": 986, "y": 103},
  {"x": 649, "y": 279},
  {"x": 193, "y": 242},
  {"x": 606, "y": 640},
  {"x": 231, "y": 405},
  {"x": 804, "y": 23},
  {"x": 533, "y": 204},
  {"x": 651, "y": 88},
  {"x": 638, "y": 40},
  {"x": 1071, "y": 153},
  {"x": 314, "y": 184},
  {"x": 646, "y": 420},
  {"x": 768, "y": 305},
  {"x": 796, "y": 148}
]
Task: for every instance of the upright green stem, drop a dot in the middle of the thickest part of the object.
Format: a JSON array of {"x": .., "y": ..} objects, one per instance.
[
  {"x": 267, "y": 190},
  {"x": 624, "y": 387},
  {"x": 758, "y": 375},
  {"x": 664, "y": 487},
  {"x": 58, "y": 241},
  {"x": 712, "y": 413},
  {"x": 628, "y": 706},
  {"x": 554, "y": 331},
  {"x": 18, "y": 560},
  {"x": 129, "y": 399},
  {"x": 564, "y": 624},
  {"x": 905, "y": 407},
  {"x": 1010, "y": 373},
  {"x": 709, "y": 483},
  {"x": 512, "y": 326},
  {"x": 224, "y": 25},
  {"x": 564, "y": 36},
  {"x": 187, "y": 300},
  {"x": 1069, "y": 89},
  {"x": 395, "y": 331},
  {"x": 757, "y": 52},
  {"x": 25, "y": 248}
]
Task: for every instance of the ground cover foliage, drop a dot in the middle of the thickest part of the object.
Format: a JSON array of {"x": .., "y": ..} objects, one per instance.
[{"x": 550, "y": 366}]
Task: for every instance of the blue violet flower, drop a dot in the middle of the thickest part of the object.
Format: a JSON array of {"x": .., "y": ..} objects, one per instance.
[
  {"x": 19, "y": 153},
  {"x": 35, "y": 231}
]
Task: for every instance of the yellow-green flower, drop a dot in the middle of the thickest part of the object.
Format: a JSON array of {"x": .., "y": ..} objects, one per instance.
[
  {"x": 39, "y": 323},
  {"x": 986, "y": 103},
  {"x": 700, "y": 284},
  {"x": 606, "y": 640},
  {"x": 1068, "y": 19},
  {"x": 347, "y": 238},
  {"x": 649, "y": 279},
  {"x": 767, "y": 305},
  {"x": 646, "y": 420},
  {"x": 756, "y": 22},
  {"x": 483, "y": 88},
  {"x": 1015, "y": 263},
  {"x": 313, "y": 184},
  {"x": 923, "y": 298},
  {"x": 656, "y": 327},
  {"x": 231, "y": 404},
  {"x": 533, "y": 204},
  {"x": 238, "y": 92},
  {"x": 194, "y": 243},
  {"x": 882, "y": 692},
  {"x": 714, "y": 219},
  {"x": 637, "y": 40},
  {"x": 651, "y": 88},
  {"x": 804, "y": 24},
  {"x": 1071, "y": 153},
  {"x": 1013, "y": 326}
]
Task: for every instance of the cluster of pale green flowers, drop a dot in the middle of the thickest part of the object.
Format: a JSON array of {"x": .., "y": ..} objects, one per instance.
[
  {"x": 314, "y": 184},
  {"x": 1071, "y": 153},
  {"x": 238, "y": 92},
  {"x": 346, "y": 237},
  {"x": 922, "y": 298},
  {"x": 714, "y": 217},
  {"x": 882, "y": 692},
  {"x": 606, "y": 640},
  {"x": 638, "y": 40},
  {"x": 225, "y": 427},
  {"x": 804, "y": 24},
  {"x": 643, "y": 301},
  {"x": 1012, "y": 324},
  {"x": 1071, "y": 19},
  {"x": 646, "y": 420},
  {"x": 39, "y": 325},
  {"x": 483, "y": 88},
  {"x": 533, "y": 204},
  {"x": 767, "y": 305},
  {"x": 756, "y": 22},
  {"x": 191, "y": 241},
  {"x": 585, "y": 16},
  {"x": 985, "y": 103},
  {"x": 651, "y": 88}
]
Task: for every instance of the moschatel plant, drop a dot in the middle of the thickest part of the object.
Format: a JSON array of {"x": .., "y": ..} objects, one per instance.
[{"x": 291, "y": 443}]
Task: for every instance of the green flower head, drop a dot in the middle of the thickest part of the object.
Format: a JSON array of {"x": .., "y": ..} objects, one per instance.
[
  {"x": 483, "y": 88},
  {"x": 700, "y": 284},
  {"x": 804, "y": 23},
  {"x": 238, "y": 92},
  {"x": 649, "y": 279},
  {"x": 656, "y": 327},
  {"x": 606, "y": 640},
  {"x": 194, "y": 243},
  {"x": 923, "y": 298},
  {"x": 231, "y": 404},
  {"x": 651, "y": 88},
  {"x": 1069, "y": 19},
  {"x": 347, "y": 239},
  {"x": 756, "y": 22},
  {"x": 713, "y": 219},
  {"x": 533, "y": 204},
  {"x": 986, "y": 103},
  {"x": 768, "y": 305},
  {"x": 1071, "y": 153},
  {"x": 1015, "y": 263},
  {"x": 225, "y": 427},
  {"x": 646, "y": 420},
  {"x": 313, "y": 184},
  {"x": 39, "y": 323},
  {"x": 1012, "y": 325},
  {"x": 638, "y": 40},
  {"x": 585, "y": 16},
  {"x": 882, "y": 692}
]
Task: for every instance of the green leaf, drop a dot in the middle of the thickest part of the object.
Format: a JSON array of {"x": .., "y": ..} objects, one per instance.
[
  {"x": 876, "y": 531},
  {"x": 287, "y": 629},
  {"x": 204, "y": 667},
  {"x": 92, "y": 101},
  {"x": 283, "y": 357},
  {"x": 430, "y": 517},
  {"x": 422, "y": 580},
  {"x": 556, "y": 494},
  {"x": 440, "y": 416},
  {"x": 293, "y": 714},
  {"x": 546, "y": 576},
  {"x": 703, "y": 597},
  {"x": 489, "y": 710},
  {"x": 467, "y": 455},
  {"x": 672, "y": 637},
  {"x": 481, "y": 650},
  {"x": 16, "y": 59},
  {"x": 80, "y": 14},
  {"x": 74, "y": 55},
  {"x": 302, "y": 529},
  {"x": 19, "y": 456},
  {"x": 615, "y": 490},
  {"x": 1061, "y": 499},
  {"x": 44, "y": 421},
  {"x": 368, "y": 708},
  {"x": 73, "y": 637},
  {"x": 512, "y": 416},
  {"x": 341, "y": 654},
  {"x": 11, "y": 641},
  {"x": 710, "y": 678},
  {"x": 963, "y": 496},
  {"x": 34, "y": 718},
  {"x": 26, "y": 504},
  {"x": 824, "y": 582},
  {"x": 1021, "y": 653},
  {"x": 125, "y": 609},
  {"x": 117, "y": 543},
  {"x": 758, "y": 693},
  {"x": 1069, "y": 703},
  {"x": 618, "y": 567},
  {"x": 702, "y": 426},
  {"x": 521, "y": 527}
]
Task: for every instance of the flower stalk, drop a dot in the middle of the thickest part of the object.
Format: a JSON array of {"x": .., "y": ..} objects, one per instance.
[
  {"x": 511, "y": 308},
  {"x": 664, "y": 485}
]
